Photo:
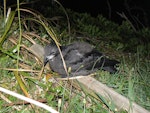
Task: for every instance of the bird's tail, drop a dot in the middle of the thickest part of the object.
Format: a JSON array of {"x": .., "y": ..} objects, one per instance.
[
  {"x": 107, "y": 64},
  {"x": 110, "y": 65}
]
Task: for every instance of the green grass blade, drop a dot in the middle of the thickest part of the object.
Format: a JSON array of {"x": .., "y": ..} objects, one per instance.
[{"x": 7, "y": 27}]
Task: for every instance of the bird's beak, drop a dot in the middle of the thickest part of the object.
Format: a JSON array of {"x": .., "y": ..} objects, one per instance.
[
  {"x": 45, "y": 61},
  {"x": 47, "y": 58}
]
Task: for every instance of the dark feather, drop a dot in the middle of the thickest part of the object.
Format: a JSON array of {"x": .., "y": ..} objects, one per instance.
[{"x": 81, "y": 57}]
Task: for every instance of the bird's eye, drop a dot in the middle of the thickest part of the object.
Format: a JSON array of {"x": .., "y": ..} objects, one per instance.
[{"x": 53, "y": 53}]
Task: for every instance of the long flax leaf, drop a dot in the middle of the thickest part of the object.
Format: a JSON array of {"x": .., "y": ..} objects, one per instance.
[
  {"x": 7, "y": 27},
  {"x": 21, "y": 83}
]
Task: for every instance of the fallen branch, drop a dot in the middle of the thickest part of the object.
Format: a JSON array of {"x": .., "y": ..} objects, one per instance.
[
  {"x": 44, "y": 106},
  {"x": 120, "y": 101}
]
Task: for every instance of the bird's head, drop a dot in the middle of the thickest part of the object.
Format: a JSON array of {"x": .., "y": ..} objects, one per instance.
[{"x": 50, "y": 51}]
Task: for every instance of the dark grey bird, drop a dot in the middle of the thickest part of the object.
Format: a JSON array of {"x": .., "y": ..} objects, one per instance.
[{"x": 80, "y": 57}]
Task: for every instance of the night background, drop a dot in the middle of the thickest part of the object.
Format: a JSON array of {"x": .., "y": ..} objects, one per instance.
[
  {"x": 110, "y": 8},
  {"x": 137, "y": 11},
  {"x": 117, "y": 29}
]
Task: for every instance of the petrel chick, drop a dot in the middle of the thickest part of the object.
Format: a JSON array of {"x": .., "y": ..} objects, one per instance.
[{"x": 81, "y": 59}]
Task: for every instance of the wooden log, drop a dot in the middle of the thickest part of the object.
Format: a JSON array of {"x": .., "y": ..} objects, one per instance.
[{"x": 119, "y": 100}]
